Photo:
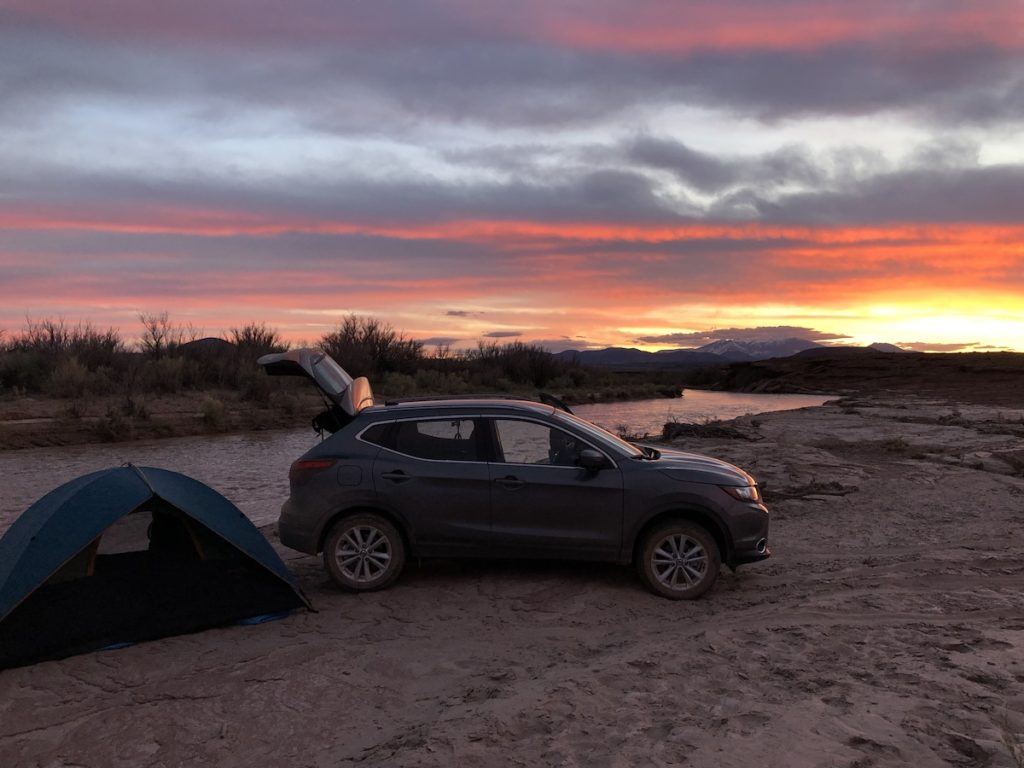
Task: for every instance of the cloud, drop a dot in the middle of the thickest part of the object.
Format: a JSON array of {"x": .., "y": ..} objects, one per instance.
[
  {"x": 525, "y": 159},
  {"x": 761, "y": 333},
  {"x": 348, "y": 66},
  {"x": 583, "y": 194},
  {"x": 711, "y": 173},
  {"x": 439, "y": 341},
  {"x": 980, "y": 193},
  {"x": 502, "y": 334},
  {"x": 932, "y": 346}
]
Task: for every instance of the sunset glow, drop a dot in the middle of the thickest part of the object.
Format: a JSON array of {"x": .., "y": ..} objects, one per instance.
[{"x": 623, "y": 176}]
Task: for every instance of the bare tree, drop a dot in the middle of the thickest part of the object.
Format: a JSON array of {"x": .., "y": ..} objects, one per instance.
[
  {"x": 155, "y": 330},
  {"x": 161, "y": 337}
]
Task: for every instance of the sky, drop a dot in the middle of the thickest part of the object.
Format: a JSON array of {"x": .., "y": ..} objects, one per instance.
[{"x": 582, "y": 174}]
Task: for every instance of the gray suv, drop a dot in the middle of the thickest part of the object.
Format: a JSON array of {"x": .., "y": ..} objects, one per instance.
[{"x": 502, "y": 478}]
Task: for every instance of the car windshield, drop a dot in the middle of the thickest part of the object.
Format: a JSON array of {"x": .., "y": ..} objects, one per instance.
[
  {"x": 330, "y": 375},
  {"x": 602, "y": 435}
]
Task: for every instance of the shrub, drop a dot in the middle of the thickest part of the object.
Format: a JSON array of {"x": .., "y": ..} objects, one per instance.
[
  {"x": 434, "y": 382},
  {"x": 69, "y": 379},
  {"x": 398, "y": 384},
  {"x": 254, "y": 386},
  {"x": 564, "y": 381},
  {"x": 24, "y": 370},
  {"x": 74, "y": 410},
  {"x": 114, "y": 427},
  {"x": 103, "y": 380},
  {"x": 165, "y": 375},
  {"x": 286, "y": 402},
  {"x": 366, "y": 346},
  {"x": 133, "y": 407},
  {"x": 255, "y": 339},
  {"x": 213, "y": 413}
]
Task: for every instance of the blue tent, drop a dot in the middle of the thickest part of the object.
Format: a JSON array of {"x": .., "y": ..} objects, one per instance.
[{"x": 203, "y": 564}]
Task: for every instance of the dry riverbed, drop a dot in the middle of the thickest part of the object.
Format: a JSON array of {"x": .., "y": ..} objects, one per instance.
[{"x": 888, "y": 629}]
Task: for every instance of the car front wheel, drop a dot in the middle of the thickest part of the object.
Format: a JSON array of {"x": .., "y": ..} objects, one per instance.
[
  {"x": 363, "y": 553},
  {"x": 679, "y": 560}
]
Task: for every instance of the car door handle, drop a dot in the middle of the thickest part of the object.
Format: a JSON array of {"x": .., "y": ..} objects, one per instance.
[
  {"x": 510, "y": 482},
  {"x": 397, "y": 476}
]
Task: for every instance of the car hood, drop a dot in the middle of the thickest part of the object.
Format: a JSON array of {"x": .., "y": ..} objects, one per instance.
[
  {"x": 350, "y": 395},
  {"x": 694, "y": 468}
]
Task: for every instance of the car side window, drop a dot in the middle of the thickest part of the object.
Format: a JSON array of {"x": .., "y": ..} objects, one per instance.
[
  {"x": 528, "y": 442},
  {"x": 438, "y": 439},
  {"x": 378, "y": 434}
]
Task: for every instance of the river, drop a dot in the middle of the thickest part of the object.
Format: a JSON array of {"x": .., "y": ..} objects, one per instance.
[{"x": 251, "y": 469}]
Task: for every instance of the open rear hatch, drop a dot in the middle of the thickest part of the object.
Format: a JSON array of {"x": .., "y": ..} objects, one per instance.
[{"x": 346, "y": 396}]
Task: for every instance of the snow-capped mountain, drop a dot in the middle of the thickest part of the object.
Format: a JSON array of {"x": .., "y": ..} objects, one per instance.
[
  {"x": 737, "y": 350},
  {"x": 722, "y": 350}
]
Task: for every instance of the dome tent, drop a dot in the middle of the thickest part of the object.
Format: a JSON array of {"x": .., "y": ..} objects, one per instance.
[{"x": 65, "y": 588}]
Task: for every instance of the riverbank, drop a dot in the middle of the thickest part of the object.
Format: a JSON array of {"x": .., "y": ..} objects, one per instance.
[
  {"x": 35, "y": 422},
  {"x": 886, "y": 630},
  {"x": 992, "y": 378}
]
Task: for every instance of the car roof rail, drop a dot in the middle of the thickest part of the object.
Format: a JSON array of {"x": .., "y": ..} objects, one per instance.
[
  {"x": 543, "y": 398},
  {"x": 429, "y": 398}
]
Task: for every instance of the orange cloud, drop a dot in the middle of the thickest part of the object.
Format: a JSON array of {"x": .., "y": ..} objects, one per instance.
[
  {"x": 549, "y": 278},
  {"x": 709, "y": 25}
]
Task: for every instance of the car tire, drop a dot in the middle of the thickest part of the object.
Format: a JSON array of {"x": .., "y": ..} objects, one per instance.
[
  {"x": 364, "y": 553},
  {"x": 679, "y": 560}
]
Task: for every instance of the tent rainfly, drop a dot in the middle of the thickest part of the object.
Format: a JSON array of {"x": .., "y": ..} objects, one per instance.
[{"x": 130, "y": 554}]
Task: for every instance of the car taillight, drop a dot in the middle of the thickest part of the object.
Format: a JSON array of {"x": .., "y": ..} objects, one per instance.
[{"x": 304, "y": 469}]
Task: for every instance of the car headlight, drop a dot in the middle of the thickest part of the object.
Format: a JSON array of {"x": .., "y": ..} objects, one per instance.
[{"x": 748, "y": 493}]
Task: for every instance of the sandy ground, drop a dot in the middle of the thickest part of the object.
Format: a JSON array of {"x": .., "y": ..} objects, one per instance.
[{"x": 887, "y": 630}]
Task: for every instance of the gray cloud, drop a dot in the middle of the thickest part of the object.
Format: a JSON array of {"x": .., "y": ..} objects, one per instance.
[
  {"x": 940, "y": 183},
  {"x": 432, "y": 62},
  {"x": 502, "y": 334},
  {"x": 439, "y": 341},
  {"x": 592, "y": 194},
  {"x": 710, "y": 173},
  {"x": 760, "y": 333},
  {"x": 978, "y": 194}
]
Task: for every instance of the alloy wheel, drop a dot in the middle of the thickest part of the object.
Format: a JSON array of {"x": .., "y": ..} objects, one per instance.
[
  {"x": 363, "y": 553},
  {"x": 679, "y": 562}
]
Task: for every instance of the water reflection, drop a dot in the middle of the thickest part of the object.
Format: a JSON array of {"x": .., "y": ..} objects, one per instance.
[{"x": 648, "y": 416}]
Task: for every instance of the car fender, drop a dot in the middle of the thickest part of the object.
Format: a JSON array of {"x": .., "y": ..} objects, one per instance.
[
  {"x": 368, "y": 501},
  {"x": 684, "y": 504}
]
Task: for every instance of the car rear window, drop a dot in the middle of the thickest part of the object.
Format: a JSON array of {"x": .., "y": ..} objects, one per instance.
[{"x": 378, "y": 434}]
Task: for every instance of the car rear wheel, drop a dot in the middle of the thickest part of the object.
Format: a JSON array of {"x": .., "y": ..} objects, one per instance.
[
  {"x": 363, "y": 553},
  {"x": 679, "y": 560}
]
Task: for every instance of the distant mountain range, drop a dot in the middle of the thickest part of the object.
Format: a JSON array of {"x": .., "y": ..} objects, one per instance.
[{"x": 717, "y": 352}]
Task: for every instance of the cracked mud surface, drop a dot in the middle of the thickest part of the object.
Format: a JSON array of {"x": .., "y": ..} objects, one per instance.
[{"x": 888, "y": 629}]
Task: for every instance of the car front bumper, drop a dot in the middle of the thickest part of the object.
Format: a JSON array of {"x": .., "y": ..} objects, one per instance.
[
  {"x": 749, "y": 526},
  {"x": 751, "y": 556}
]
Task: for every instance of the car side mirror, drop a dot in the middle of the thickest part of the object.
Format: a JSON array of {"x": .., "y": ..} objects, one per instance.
[{"x": 592, "y": 460}]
